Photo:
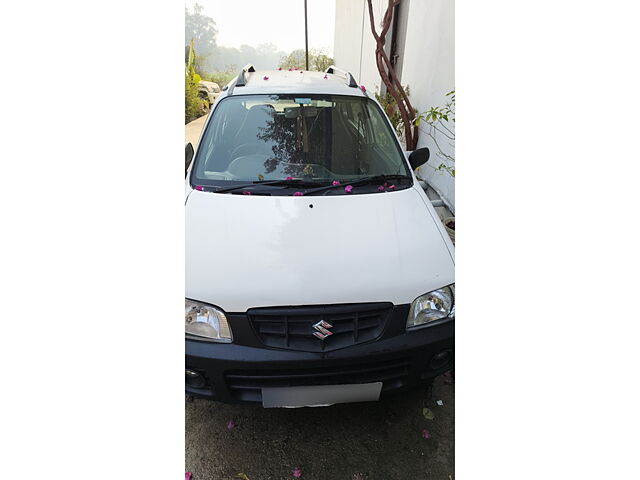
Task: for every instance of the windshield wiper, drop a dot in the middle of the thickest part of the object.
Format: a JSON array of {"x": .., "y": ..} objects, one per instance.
[
  {"x": 361, "y": 181},
  {"x": 275, "y": 183}
]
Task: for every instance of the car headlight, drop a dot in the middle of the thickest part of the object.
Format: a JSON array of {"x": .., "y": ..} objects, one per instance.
[
  {"x": 204, "y": 321},
  {"x": 432, "y": 306}
]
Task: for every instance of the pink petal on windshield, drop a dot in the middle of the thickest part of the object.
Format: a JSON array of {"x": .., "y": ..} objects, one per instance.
[
  {"x": 298, "y": 194},
  {"x": 231, "y": 424},
  {"x": 335, "y": 182},
  {"x": 246, "y": 193},
  {"x": 425, "y": 434},
  {"x": 289, "y": 178},
  {"x": 199, "y": 188},
  {"x": 348, "y": 189},
  {"x": 392, "y": 187},
  {"x": 381, "y": 188},
  {"x": 297, "y": 472}
]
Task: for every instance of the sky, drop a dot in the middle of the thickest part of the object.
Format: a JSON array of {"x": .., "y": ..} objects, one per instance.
[{"x": 280, "y": 22}]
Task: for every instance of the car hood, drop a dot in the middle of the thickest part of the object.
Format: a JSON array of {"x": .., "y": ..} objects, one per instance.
[{"x": 245, "y": 251}]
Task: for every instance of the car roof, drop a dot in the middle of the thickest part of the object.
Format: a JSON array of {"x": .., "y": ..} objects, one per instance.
[{"x": 293, "y": 81}]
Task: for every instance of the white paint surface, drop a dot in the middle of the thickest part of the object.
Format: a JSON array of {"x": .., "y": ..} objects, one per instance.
[{"x": 258, "y": 251}]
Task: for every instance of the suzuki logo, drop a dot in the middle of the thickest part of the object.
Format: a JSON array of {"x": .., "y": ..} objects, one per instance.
[{"x": 322, "y": 330}]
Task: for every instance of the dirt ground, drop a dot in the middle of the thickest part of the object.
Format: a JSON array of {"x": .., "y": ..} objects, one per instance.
[{"x": 363, "y": 441}]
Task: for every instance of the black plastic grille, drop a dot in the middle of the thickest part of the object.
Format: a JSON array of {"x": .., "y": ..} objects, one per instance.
[
  {"x": 292, "y": 328},
  {"x": 247, "y": 384}
]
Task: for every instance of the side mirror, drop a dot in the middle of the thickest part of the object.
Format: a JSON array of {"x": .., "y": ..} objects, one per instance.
[
  {"x": 188, "y": 156},
  {"x": 419, "y": 157}
]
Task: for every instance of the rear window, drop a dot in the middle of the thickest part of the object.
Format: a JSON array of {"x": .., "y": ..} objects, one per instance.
[{"x": 317, "y": 137}]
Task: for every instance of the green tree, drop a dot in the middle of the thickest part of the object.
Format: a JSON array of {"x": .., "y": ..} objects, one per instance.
[
  {"x": 202, "y": 29},
  {"x": 318, "y": 60}
]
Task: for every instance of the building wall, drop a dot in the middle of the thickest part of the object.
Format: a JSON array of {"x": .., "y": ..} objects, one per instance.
[
  {"x": 427, "y": 63},
  {"x": 354, "y": 47},
  {"x": 428, "y": 69}
]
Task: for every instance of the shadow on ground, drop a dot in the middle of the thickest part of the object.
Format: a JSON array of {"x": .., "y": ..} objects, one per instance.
[{"x": 379, "y": 440}]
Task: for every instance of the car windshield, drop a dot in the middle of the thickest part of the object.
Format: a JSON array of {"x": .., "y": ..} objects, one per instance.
[{"x": 315, "y": 138}]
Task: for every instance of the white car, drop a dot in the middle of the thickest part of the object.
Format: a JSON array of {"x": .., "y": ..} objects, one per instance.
[
  {"x": 317, "y": 270},
  {"x": 209, "y": 91}
]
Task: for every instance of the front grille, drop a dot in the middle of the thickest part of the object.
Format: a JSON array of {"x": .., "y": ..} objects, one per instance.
[
  {"x": 292, "y": 328},
  {"x": 247, "y": 385}
]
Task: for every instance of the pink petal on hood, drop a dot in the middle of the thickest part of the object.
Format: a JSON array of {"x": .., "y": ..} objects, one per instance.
[
  {"x": 265, "y": 78},
  {"x": 362, "y": 88}
]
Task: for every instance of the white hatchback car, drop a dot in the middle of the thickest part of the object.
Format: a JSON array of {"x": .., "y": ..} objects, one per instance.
[{"x": 317, "y": 270}]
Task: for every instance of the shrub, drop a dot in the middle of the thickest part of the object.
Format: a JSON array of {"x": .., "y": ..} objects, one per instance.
[{"x": 194, "y": 106}]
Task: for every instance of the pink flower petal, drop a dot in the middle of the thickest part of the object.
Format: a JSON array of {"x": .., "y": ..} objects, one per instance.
[
  {"x": 325, "y": 76},
  {"x": 246, "y": 193},
  {"x": 425, "y": 434},
  {"x": 392, "y": 187},
  {"x": 335, "y": 182},
  {"x": 290, "y": 69},
  {"x": 231, "y": 424},
  {"x": 289, "y": 178},
  {"x": 362, "y": 88},
  {"x": 298, "y": 194},
  {"x": 297, "y": 472},
  {"x": 381, "y": 188},
  {"x": 280, "y": 68},
  {"x": 265, "y": 78},
  {"x": 200, "y": 188},
  {"x": 187, "y": 476},
  {"x": 301, "y": 71},
  {"x": 348, "y": 189}
]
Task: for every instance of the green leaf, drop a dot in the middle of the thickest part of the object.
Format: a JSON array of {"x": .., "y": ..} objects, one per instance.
[
  {"x": 261, "y": 177},
  {"x": 242, "y": 476},
  {"x": 428, "y": 414}
]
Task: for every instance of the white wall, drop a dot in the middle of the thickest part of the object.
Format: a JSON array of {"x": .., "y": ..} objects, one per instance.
[
  {"x": 428, "y": 69},
  {"x": 427, "y": 66},
  {"x": 354, "y": 48}
]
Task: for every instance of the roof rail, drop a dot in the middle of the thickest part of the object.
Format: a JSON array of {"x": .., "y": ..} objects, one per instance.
[
  {"x": 241, "y": 80},
  {"x": 351, "y": 82}
]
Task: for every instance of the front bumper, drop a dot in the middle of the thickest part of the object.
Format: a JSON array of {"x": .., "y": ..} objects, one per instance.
[{"x": 235, "y": 373}]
